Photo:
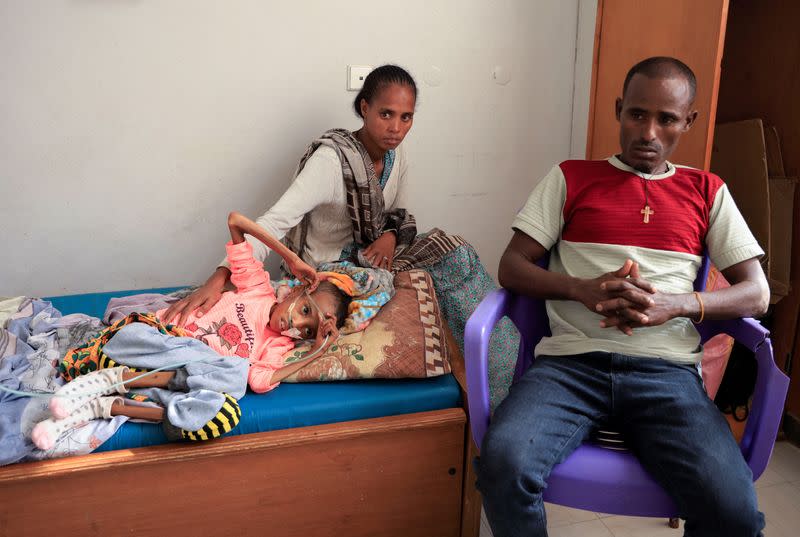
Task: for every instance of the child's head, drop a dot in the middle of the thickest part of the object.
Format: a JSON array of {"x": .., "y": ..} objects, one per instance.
[{"x": 304, "y": 313}]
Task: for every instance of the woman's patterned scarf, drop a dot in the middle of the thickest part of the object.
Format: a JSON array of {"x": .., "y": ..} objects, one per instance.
[{"x": 367, "y": 212}]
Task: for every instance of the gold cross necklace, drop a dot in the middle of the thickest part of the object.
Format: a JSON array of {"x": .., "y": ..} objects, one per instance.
[{"x": 647, "y": 212}]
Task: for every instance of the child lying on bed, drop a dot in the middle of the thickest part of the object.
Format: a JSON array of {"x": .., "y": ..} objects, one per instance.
[{"x": 247, "y": 323}]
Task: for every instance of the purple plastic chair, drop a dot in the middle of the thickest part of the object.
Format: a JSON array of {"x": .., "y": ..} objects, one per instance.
[{"x": 612, "y": 480}]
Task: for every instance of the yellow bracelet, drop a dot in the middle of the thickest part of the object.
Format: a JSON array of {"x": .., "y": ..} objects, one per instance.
[{"x": 702, "y": 308}]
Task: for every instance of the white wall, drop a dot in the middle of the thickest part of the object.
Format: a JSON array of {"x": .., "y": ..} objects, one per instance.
[
  {"x": 130, "y": 128},
  {"x": 584, "y": 55}
]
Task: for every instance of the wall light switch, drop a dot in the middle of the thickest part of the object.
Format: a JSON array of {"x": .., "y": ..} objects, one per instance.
[{"x": 356, "y": 75}]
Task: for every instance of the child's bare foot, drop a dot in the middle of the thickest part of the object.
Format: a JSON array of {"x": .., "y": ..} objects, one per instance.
[
  {"x": 45, "y": 433},
  {"x": 79, "y": 391}
]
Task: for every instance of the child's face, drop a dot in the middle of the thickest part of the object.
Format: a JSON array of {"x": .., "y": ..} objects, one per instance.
[{"x": 304, "y": 315}]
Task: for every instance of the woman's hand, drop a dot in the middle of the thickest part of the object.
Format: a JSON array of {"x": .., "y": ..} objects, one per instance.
[
  {"x": 305, "y": 273},
  {"x": 199, "y": 302},
  {"x": 381, "y": 252}
]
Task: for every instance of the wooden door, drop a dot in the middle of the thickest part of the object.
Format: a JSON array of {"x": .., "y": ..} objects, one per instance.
[{"x": 631, "y": 30}]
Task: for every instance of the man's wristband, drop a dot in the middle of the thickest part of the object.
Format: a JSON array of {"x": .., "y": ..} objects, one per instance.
[{"x": 702, "y": 308}]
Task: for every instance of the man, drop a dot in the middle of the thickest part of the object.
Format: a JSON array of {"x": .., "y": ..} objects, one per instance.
[{"x": 627, "y": 236}]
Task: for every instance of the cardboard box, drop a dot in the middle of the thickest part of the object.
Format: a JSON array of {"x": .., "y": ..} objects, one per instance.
[
  {"x": 781, "y": 197},
  {"x": 739, "y": 157},
  {"x": 748, "y": 158},
  {"x": 781, "y": 194},
  {"x": 774, "y": 156}
]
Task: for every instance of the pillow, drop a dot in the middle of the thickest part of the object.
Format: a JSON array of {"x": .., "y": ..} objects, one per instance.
[{"x": 406, "y": 339}]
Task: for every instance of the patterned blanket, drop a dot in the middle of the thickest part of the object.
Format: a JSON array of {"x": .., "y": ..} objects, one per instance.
[{"x": 32, "y": 340}]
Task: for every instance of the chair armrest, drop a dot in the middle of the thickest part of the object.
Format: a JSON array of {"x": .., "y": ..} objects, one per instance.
[
  {"x": 769, "y": 394},
  {"x": 477, "y": 333},
  {"x": 746, "y": 331}
]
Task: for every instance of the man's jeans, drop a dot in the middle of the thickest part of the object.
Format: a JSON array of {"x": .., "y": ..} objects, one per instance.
[{"x": 665, "y": 415}]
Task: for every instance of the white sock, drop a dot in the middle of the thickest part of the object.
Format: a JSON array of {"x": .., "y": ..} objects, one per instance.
[
  {"x": 46, "y": 432},
  {"x": 77, "y": 392}
]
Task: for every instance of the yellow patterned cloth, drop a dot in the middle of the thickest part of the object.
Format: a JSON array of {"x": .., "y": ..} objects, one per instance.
[{"x": 90, "y": 356}]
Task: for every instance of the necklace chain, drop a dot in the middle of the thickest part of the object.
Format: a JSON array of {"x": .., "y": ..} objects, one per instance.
[
  {"x": 646, "y": 211},
  {"x": 645, "y": 178}
]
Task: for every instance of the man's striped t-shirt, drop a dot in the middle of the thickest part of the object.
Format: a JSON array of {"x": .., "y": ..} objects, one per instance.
[{"x": 590, "y": 215}]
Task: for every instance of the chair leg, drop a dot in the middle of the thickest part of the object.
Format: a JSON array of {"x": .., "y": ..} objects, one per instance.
[{"x": 673, "y": 523}]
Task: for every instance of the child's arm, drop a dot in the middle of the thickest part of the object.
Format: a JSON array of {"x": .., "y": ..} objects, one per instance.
[{"x": 240, "y": 224}]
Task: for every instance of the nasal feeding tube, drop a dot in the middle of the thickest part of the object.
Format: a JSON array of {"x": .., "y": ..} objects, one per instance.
[{"x": 293, "y": 332}]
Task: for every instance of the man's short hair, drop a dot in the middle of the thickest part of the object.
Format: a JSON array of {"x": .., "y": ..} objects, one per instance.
[{"x": 663, "y": 67}]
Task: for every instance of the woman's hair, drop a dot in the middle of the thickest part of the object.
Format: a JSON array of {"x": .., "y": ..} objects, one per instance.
[
  {"x": 341, "y": 300},
  {"x": 378, "y": 79}
]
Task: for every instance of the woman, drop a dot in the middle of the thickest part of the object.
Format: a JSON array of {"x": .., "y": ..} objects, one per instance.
[{"x": 346, "y": 203}]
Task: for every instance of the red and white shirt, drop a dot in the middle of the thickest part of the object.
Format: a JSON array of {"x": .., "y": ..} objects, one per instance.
[{"x": 589, "y": 214}]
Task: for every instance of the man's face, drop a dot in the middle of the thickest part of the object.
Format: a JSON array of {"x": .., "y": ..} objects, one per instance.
[{"x": 653, "y": 114}]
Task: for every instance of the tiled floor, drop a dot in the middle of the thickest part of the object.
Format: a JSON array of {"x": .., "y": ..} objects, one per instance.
[{"x": 778, "y": 497}]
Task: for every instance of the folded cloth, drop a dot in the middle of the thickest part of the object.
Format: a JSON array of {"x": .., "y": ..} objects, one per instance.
[{"x": 120, "y": 307}]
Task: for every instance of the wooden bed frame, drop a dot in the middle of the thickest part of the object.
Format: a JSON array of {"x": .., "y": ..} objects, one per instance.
[{"x": 393, "y": 476}]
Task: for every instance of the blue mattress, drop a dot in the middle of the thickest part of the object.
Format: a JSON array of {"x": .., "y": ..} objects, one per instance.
[{"x": 289, "y": 405}]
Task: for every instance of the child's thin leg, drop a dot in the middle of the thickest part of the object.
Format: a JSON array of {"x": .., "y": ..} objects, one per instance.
[
  {"x": 76, "y": 393},
  {"x": 96, "y": 384},
  {"x": 159, "y": 379},
  {"x": 149, "y": 413},
  {"x": 45, "y": 433}
]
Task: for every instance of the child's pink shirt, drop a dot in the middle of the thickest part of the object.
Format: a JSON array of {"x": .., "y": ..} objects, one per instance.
[{"x": 238, "y": 325}]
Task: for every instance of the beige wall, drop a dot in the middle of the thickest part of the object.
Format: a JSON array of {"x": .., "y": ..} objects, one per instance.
[{"x": 130, "y": 128}]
